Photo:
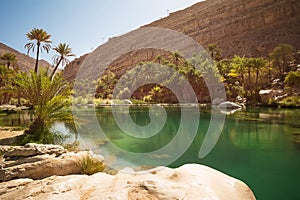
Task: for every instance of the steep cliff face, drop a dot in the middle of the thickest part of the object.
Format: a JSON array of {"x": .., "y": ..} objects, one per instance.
[
  {"x": 25, "y": 63},
  {"x": 242, "y": 27},
  {"x": 71, "y": 69},
  {"x": 238, "y": 27}
]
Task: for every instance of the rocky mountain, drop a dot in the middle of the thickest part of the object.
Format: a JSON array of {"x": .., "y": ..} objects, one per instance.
[
  {"x": 71, "y": 69},
  {"x": 238, "y": 27},
  {"x": 25, "y": 62}
]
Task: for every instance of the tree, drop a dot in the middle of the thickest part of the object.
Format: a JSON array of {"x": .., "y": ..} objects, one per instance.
[
  {"x": 9, "y": 59},
  {"x": 292, "y": 81},
  {"x": 48, "y": 97},
  {"x": 41, "y": 40},
  {"x": 6, "y": 75},
  {"x": 258, "y": 64},
  {"x": 281, "y": 57},
  {"x": 238, "y": 66},
  {"x": 64, "y": 51}
]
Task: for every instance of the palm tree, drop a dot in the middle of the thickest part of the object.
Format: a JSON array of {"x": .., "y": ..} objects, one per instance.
[
  {"x": 8, "y": 59},
  {"x": 6, "y": 75},
  {"x": 64, "y": 51},
  {"x": 39, "y": 36},
  {"x": 47, "y": 97}
]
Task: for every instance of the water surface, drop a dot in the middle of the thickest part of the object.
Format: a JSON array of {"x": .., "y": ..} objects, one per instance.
[{"x": 257, "y": 146}]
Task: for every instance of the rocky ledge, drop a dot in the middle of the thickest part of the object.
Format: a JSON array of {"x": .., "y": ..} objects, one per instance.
[
  {"x": 191, "y": 181},
  {"x": 38, "y": 161}
]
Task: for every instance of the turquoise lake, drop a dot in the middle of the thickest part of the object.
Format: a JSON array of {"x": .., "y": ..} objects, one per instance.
[{"x": 258, "y": 146}]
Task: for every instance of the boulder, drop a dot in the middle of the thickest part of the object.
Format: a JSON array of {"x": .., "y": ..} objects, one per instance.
[
  {"x": 229, "y": 105},
  {"x": 191, "y": 181},
  {"x": 276, "y": 95}
]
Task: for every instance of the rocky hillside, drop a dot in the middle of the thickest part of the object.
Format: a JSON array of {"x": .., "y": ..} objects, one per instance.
[
  {"x": 71, "y": 69},
  {"x": 25, "y": 62},
  {"x": 241, "y": 27},
  {"x": 238, "y": 27}
]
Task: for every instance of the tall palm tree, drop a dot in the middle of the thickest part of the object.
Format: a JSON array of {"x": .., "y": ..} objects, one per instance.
[
  {"x": 8, "y": 59},
  {"x": 41, "y": 40},
  {"x": 64, "y": 51}
]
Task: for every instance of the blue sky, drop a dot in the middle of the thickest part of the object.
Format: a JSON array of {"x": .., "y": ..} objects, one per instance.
[{"x": 83, "y": 24}]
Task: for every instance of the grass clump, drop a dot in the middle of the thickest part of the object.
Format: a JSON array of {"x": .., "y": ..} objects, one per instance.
[
  {"x": 74, "y": 146},
  {"x": 90, "y": 165}
]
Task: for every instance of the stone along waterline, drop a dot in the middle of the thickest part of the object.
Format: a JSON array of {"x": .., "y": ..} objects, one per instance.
[{"x": 257, "y": 146}]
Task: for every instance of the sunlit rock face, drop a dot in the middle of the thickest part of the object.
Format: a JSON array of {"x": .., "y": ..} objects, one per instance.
[{"x": 190, "y": 181}]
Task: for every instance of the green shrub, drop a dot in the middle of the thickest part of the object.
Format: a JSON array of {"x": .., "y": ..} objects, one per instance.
[
  {"x": 90, "y": 165},
  {"x": 292, "y": 81},
  {"x": 272, "y": 102},
  {"x": 290, "y": 102},
  {"x": 74, "y": 146},
  {"x": 137, "y": 101}
]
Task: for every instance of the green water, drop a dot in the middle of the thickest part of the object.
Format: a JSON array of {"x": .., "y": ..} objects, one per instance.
[{"x": 257, "y": 146}]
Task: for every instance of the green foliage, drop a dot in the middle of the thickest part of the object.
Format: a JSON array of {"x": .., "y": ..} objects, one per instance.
[
  {"x": 292, "y": 81},
  {"x": 290, "y": 102},
  {"x": 105, "y": 85},
  {"x": 41, "y": 41},
  {"x": 215, "y": 52},
  {"x": 63, "y": 51},
  {"x": 47, "y": 97},
  {"x": 281, "y": 57},
  {"x": 249, "y": 73},
  {"x": 74, "y": 146},
  {"x": 6, "y": 76},
  {"x": 90, "y": 165},
  {"x": 9, "y": 59},
  {"x": 272, "y": 102},
  {"x": 137, "y": 101}
]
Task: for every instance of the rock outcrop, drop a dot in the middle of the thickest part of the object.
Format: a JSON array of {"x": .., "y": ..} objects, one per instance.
[
  {"x": 37, "y": 161},
  {"x": 190, "y": 181}
]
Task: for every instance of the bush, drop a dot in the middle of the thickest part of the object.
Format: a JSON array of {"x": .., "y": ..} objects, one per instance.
[
  {"x": 74, "y": 146},
  {"x": 90, "y": 165},
  {"x": 292, "y": 81},
  {"x": 290, "y": 102},
  {"x": 272, "y": 102}
]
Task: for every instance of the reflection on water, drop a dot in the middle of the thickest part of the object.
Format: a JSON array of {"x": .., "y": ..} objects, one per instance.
[
  {"x": 23, "y": 119},
  {"x": 259, "y": 146}
]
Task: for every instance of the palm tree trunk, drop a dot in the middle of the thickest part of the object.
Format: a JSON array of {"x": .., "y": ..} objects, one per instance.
[
  {"x": 53, "y": 72},
  {"x": 37, "y": 58},
  {"x": 249, "y": 75}
]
